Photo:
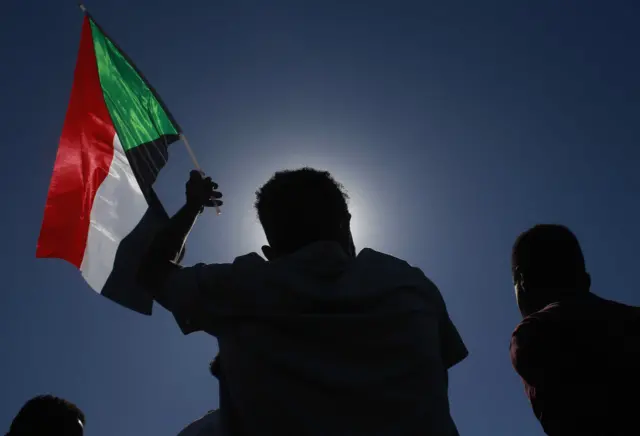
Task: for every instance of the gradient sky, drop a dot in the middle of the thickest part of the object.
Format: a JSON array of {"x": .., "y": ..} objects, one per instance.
[{"x": 454, "y": 125}]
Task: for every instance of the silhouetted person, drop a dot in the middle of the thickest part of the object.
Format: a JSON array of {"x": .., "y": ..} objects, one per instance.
[
  {"x": 211, "y": 423},
  {"x": 316, "y": 340},
  {"x": 46, "y": 415},
  {"x": 578, "y": 354}
]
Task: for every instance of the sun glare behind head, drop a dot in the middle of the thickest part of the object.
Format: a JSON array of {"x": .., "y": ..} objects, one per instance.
[{"x": 360, "y": 223}]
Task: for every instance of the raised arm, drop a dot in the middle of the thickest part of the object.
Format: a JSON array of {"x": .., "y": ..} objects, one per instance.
[{"x": 168, "y": 245}]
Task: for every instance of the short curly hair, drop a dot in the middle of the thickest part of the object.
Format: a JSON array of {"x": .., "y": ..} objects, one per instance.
[
  {"x": 548, "y": 254},
  {"x": 44, "y": 415},
  {"x": 298, "y": 207}
]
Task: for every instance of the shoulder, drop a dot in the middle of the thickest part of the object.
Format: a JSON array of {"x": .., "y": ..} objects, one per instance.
[
  {"x": 250, "y": 260},
  {"x": 209, "y": 424},
  {"x": 371, "y": 255},
  {"x": 384, "y": 271},
  {"x": 246, "y": 271},
  {"x": 214, "y": 275},
  {"x": 393, "y": 266},
  {"x": 534, "y": 328},
  {"x": 528, "y": 331},
  {"x": 535, "y": 337}
]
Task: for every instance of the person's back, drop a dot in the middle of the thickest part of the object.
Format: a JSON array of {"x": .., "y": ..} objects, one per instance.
[
  {"x": 318, "y": 341},
  {"x": 339, "y": 346},
  {"x": 578, "y": 354}
]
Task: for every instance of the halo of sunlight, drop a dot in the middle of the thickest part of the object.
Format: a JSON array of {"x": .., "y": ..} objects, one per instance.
[{"x": 316, "y": 155}]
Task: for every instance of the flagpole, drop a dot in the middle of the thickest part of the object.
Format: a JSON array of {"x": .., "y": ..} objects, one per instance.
[
  {"x": 82, "y": 7},
  {"x": 195, "y": 162}
]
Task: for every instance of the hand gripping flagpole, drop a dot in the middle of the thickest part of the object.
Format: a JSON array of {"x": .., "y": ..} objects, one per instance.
[{"x": 196, "y": 164}]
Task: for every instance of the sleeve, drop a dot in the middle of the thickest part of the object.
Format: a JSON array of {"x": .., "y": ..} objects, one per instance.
[
  {"x": 451, "y": 345},
  {"x": 197, "y": 296},
  {"x": 452, "y": 348},
  {"x": 539, "y": 352},
  {"x": 524, "y": 351}
]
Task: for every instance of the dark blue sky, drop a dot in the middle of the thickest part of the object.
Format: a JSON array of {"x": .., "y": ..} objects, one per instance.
[{"x": 455, "y": 125}]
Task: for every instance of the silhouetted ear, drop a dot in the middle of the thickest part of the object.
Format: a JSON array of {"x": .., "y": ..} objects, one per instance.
[
  {"x": 518, "y": 282},
  {"x": 588, "y": 281},
  {"x": 268, "y": 252}
]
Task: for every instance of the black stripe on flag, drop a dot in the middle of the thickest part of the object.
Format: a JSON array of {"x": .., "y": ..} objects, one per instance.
[{"x": 148, "y": 159}]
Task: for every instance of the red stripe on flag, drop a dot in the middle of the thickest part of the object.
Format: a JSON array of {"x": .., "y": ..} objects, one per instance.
[{"x": 82, "y": 163}]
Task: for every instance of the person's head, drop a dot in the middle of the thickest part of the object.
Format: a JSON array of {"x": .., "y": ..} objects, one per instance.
[
  {"x": 547, "y": 265},
  {"x": 46, "y": 415},
  {"x": 299, "y": 207}
]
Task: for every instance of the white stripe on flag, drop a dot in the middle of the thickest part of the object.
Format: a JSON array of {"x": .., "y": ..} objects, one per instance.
[{"x": 118, "y": 207}]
